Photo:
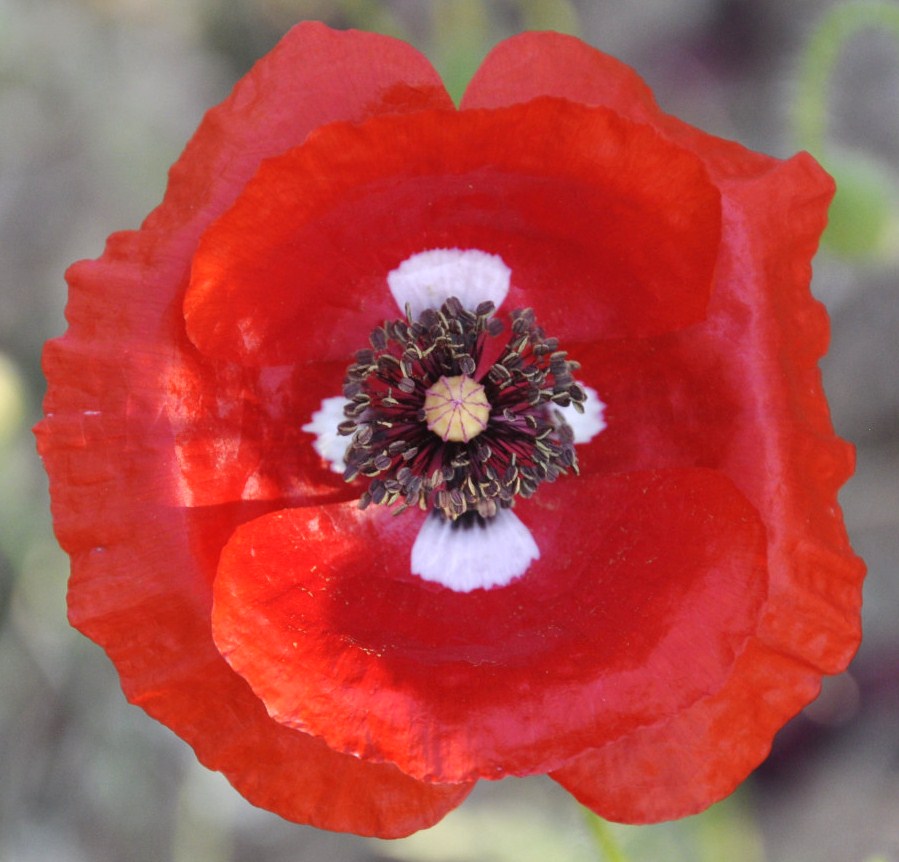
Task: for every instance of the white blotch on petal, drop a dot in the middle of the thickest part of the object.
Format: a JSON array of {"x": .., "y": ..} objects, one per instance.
[
  {"x": 588, "y": 424},
  {"x": 328, "y": 443},
  {"x": 473, "y": 557},
  {"x": 429, "y": 278}
]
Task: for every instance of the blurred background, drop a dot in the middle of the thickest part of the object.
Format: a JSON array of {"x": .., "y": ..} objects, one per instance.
[{"x": 97, "y": 98}]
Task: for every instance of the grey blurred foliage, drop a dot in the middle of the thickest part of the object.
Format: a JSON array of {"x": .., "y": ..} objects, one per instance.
[{"x": 97, "y": 98}]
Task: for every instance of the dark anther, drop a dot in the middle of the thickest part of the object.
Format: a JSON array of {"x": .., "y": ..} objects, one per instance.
[{"x": 464, "y": 475}]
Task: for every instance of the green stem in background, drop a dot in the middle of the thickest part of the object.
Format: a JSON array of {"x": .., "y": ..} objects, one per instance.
[
  {"x": 726, "y": 831},
  {"x": 609, "y": 849},
  {"x": 460, "y": 30},
  {"x": 864, "y": 217},
  {"x": 464, "y": 30},
  {"x": 823, "y": 51}
]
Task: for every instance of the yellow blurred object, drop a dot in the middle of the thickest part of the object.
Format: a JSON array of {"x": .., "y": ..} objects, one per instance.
[{"x": 12, "y": 400}]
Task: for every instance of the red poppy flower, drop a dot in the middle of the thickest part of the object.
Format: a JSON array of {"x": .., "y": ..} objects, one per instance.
[{"x": 315, "y": 449}]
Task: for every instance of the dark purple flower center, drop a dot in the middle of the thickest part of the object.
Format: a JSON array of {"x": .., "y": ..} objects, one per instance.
[{"x": 450, "y": 413}]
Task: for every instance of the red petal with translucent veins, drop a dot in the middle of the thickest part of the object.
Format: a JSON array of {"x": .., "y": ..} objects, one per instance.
[
  {"x": 531, "y": 65},
  {"x": 156, "y": 455},
  {"x": 567, "y": 196},
  {"x": 534, "y": 65},
  {"x": 742, "y": 390},
  {"x": 742, "y": 415},
  {"x": 317, "y": 609},
  {"x": 636, "y": 658}
]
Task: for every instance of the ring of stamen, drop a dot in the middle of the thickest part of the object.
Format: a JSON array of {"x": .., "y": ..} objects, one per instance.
[{"x": 450, "y": 413}]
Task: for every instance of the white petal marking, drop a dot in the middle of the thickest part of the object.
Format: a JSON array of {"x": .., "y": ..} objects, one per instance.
[
  {"x": 476, "y": 556},
  {"x": 328, "y": 443},
  {"x": 429, "y": 278},
  {"x": 588, "y": 424}
]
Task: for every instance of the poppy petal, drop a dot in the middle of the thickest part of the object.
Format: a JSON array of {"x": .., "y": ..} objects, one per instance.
[
  {"x": 140, "y": 587},
  {"x": 155, "y": 456},
  {"x": 317, "y": 609},
  {"x": 565, "y": 195},
  {"x": 314, "y": 76},
  {"x": 692, "y": 585},
  {"x": 532, "y": 65},
  {"x": 744, "y": 389},
  {"x": 681, "y": 766},
  {"x": 134, "y": 349},
  {"x": 134, "y": 598},
  {"x": 724, "y": 408}
]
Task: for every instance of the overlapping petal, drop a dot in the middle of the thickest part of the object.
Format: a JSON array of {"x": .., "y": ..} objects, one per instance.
[
  {"x": 156, "y": 456},
  {"x": 692, "y": 585},
  {"x": 531, "y": 65},
  {"x": 630, "y": 618},
  {"x": 609, "y": 231},
  {"x": 740, "y": 394}
]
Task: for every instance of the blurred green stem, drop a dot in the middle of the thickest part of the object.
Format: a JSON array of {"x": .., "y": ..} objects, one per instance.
[
  {"x": 603, "y": 838},
  {"x": 838, "y": 25}
]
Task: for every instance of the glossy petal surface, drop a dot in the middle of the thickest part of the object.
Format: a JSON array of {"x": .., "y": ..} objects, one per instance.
[
  {"x": 317, "y": 610},
  {"x": 693, "y": 584},
  {"x": 532, "y": 65},
  {"x": 608, "y": 230},
  {"x": 740, "y": 394},
  {"x": 155, "y": 456}
]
